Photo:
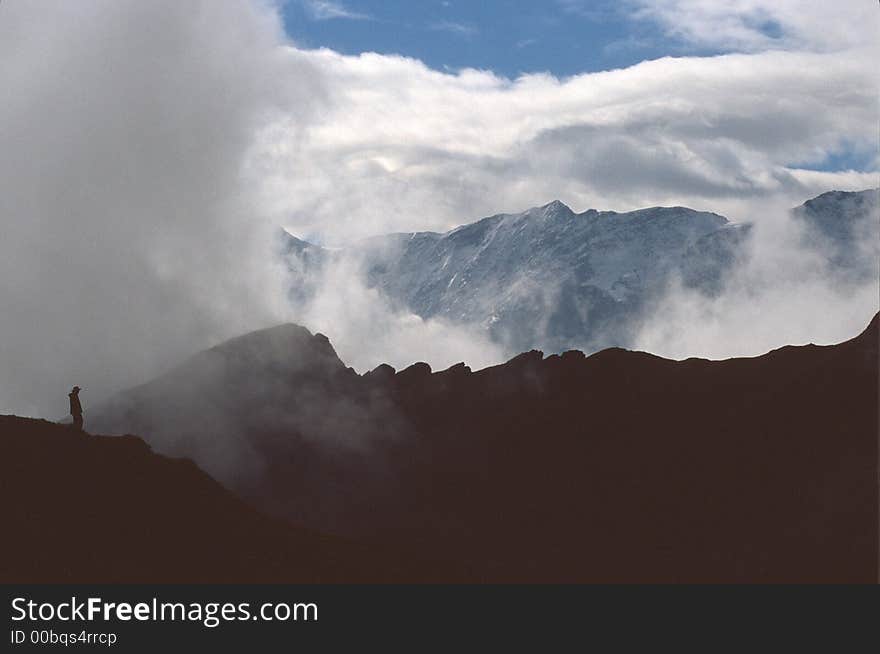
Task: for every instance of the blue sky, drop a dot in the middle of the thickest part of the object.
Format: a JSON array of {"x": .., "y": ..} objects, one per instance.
[
  {"x": 512, "y": 37},
  {"x": 508, "y": 37}
]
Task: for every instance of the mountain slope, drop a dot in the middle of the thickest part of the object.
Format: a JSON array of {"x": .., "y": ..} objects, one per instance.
[
  {"x": 92, "y": 509},
  {"x": 845, "y": 227},
  {"x": 546, "y": 277},
  {"x": 620, "y": 466},
  {"x": 272, "y": 403},
  {"x": 839, "y": 214},
  {"x": 553, "y": 279}
]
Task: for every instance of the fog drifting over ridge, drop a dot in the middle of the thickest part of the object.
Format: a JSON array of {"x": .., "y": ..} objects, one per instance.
[
  {"x": 151, "y": 150},
  {"x": 787, "y": 290}
]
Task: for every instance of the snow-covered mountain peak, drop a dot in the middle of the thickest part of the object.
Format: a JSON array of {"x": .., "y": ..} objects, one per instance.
[
  {"x": 552, "y": 279},
  {"x": 555, "y": 208}
]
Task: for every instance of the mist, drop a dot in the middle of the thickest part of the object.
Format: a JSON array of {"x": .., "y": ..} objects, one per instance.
[
  {"x": 788, "y": 288},
  {"x": 151, "y": 150},
  {"x": 133, "y": 234},
  {"x": 367, "y": 329},
  {"x": 130, "y": 237}
]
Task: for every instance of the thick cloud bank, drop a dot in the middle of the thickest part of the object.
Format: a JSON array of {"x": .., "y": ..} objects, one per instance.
[
  {"x": 790, "y": 287},
  {"x": 150, "y": 149},
  {"x": 128, "y": 234}
]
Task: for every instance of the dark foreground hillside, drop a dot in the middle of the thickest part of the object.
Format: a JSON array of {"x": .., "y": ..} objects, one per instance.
[
  {"x": 80, "y": 508},
  {"x": 618, "y": 467}
]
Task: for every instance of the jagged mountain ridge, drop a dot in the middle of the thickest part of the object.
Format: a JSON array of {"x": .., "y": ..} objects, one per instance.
[
  {"x": 546, "y": 278},
  {"x": 621, "y": 466},
  {"x": 553, "y": 279},
  {"x": 269, "y": 410}
]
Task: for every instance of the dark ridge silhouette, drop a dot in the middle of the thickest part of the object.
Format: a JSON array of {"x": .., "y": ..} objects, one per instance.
[
  {"x": 93, "y": 509},
  {"x": 618, "y": 467}
]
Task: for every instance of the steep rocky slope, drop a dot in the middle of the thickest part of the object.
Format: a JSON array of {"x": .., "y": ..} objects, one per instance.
[
  {"x": 94, "y": 509},
  {"x": 620, "y": 466}
]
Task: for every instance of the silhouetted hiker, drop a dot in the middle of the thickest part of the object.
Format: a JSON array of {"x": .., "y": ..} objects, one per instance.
[{"x": 76, "y": 409}]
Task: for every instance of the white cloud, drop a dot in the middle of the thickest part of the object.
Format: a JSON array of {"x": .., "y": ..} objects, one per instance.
[
  {"x": 367, "y": 331},
  {"x": 129, "y": 238},
  {"x": 458, "y": 29},
  {"x": 330, "y": 9},
  {"x": 403, "y": 147},
  {"x": 781, "y": 294},
  {"x": 760, "y": 24}
]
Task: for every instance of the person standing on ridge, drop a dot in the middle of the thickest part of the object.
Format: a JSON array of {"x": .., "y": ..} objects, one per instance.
[{"x": 76, "y": 409}]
